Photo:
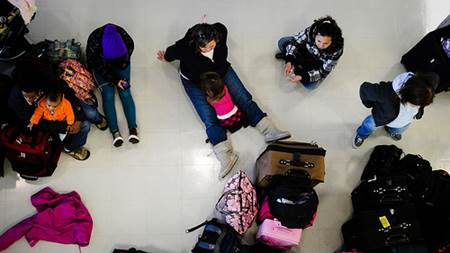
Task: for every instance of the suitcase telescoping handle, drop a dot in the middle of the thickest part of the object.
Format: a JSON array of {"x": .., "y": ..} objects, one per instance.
[
  {"x": 396, "y": 239},
  {"x": 297, "y": 163},
  {"x": 391, "y": 198}
]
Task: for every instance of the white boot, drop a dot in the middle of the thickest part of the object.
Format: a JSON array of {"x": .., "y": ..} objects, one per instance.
[
  {"x": 270, "y": 131},
  {"x": 226, "y": 156}
]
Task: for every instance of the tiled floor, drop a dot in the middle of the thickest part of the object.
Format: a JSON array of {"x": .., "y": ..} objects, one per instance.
[{"x": 146, "y": 195}]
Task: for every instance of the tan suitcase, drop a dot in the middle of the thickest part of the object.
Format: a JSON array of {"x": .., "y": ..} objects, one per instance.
[{"x": 279, "y": 157}]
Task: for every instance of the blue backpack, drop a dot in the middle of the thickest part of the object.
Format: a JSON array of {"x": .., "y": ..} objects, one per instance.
[{"x": 216, "y": 238}]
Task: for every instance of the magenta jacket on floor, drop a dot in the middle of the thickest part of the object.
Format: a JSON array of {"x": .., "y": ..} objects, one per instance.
[{"x": 61, "y": 218}]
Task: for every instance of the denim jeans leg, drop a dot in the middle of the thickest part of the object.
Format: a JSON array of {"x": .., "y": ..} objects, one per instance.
[
  {"x": 311, "y": 85},
  {"x": 76, "y": 141},
  {"x": 367, "y": 127},
  {"x": 282, "y": 43},
  {"x": 129, "y": 107},
  {"x": 243, "y": 98},
  {"x": 399, "y": 130},
  {"x": 91, "y": 112},
  {"x": 108, "y": 97},
  {"x": 215, "y": 132}
]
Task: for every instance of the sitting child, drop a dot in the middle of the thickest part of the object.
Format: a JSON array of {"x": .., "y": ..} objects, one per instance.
[
  {"x": 219, "y": 98},
  {"x": 53, "y": 107}
]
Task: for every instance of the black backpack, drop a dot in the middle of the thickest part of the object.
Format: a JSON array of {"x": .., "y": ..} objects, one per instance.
[
  {"x": 382, "y": 159},
  {"x": 292, "y": 200},
  {"x": 417, "y": 171},
  {"x": 216, "y": 238}
]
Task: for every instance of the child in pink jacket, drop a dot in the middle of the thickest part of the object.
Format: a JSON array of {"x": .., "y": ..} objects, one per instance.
[{"x": 219, "y": 98}]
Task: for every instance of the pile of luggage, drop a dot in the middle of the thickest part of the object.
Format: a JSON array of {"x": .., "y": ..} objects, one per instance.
[
  {"x": 401, "y": 205},
  {"x": 283, "y": 203}
]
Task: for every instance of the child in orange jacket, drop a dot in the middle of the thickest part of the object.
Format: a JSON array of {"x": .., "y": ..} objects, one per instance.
[{"x": 53, "y": 107}]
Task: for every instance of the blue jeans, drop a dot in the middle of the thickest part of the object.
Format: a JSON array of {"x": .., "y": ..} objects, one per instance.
[
  {"x": 91, "y": 112},
  {"x": 75, "y": 141},
  {"x": 241, "y": 97},
  {"x": 108, "y": 96},
  {"x": 368, "y": 126},
  {"x": 282, "y": 46}
]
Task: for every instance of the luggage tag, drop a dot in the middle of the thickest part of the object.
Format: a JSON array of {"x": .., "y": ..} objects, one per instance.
[{"x": 384, "y": 221}]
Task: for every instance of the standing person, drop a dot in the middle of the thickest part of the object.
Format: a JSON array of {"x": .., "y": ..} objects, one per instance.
[
  {"x": 312, "y": 54},
  {"x": 204, "y": 49},
  {"x": 108, "y": 54},
  {"x": 33, "y": 79},
  {"x": 395, "y": 104}
]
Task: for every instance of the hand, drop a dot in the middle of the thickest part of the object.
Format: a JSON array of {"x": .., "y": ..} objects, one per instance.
[
  {"x": 288, "y": 69},
  {"x": 30, "y": 126},
  {"x": 160, "y": 55},
  {"x": 121, "y": 83},
  {"x": 294, "y": 79},
  {"x": 75, "y": 128}
]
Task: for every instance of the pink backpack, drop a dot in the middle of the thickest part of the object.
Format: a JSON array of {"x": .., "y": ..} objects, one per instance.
[
  {"x": 238, "y": 203},
  {"x": 78, "y": 78},
  {"x": 272, "y": 233}
]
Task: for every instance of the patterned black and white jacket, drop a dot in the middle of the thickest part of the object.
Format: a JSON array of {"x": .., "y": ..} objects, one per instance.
[{"x": 315, "y": 64}]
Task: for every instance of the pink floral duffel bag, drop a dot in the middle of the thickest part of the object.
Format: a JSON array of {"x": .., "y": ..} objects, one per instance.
[{"x": 238, "y": 203}]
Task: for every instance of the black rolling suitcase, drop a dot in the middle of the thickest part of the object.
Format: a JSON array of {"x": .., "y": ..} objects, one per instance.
[
  {"x": 379, "y": 193},
  {"x": 429, "y": 56},
  {"x": 437, "y": 193},
  {"x": 378, "y": 229}
]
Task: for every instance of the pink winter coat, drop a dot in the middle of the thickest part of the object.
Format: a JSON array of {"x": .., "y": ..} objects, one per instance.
[{"x": 61, "y": 218}]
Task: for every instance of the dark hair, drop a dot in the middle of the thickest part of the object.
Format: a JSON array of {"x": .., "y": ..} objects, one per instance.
[
  {"x": 201, "y": 34},
  {"x": 33, "y": 75},
  {"x": 212, "y": 84},
  {"x": 418, "y": 90},
  {"x": 54, "y": 94},
  {"x": 327, "y": 26}
]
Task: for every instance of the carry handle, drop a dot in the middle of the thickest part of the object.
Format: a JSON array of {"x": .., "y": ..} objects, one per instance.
[
  {"x": 296, "y": 163},
  {"x": 396, "y": 239},
  {"x": 197, "y": 227},
  {"x": 16, "y": 133},
  {"x": 390, "y": 198}
]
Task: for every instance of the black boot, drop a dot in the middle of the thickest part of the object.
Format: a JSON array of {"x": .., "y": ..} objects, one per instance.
[{"x": 279, "y": 56}]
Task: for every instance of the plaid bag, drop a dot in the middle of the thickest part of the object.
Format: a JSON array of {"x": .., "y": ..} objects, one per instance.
[{"x": 238, "y": 203}]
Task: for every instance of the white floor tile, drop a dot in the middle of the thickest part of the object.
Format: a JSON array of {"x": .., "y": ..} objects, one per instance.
[{"x": 146, "y": 195}]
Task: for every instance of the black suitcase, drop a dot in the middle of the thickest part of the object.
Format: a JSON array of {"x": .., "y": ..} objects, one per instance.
[
  {"x": 381, "y": 161},
  {"x": 437, "y": 193},
  {"x": 429, "y": 56},
  {"x": 378, "y": 229},
  {"x": 381, "y": 192}
]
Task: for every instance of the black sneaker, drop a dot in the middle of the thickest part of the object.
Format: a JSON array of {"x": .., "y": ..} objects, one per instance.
[
  {"x": 396, "y": 137},
  {"x": 133, "y": 137},
  {"x": 279, "y": 56},
  {"x": 117, "y": 139},
  {"x": 357, "y": 141}
]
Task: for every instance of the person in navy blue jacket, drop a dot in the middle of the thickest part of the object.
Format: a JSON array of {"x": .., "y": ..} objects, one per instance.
[{"x": 395, "y": 104}]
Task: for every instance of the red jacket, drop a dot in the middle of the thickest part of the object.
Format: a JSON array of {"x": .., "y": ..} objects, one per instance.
[{"x": 61, "y": 218}]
